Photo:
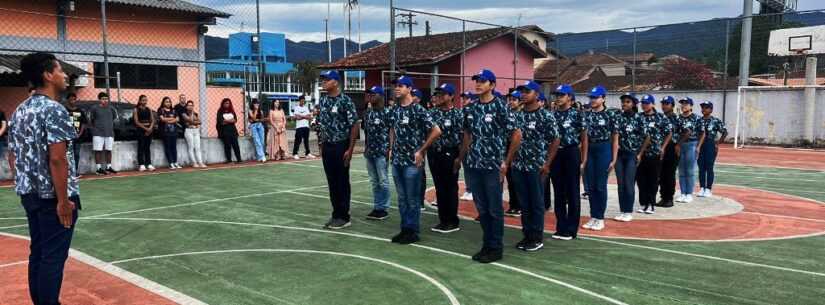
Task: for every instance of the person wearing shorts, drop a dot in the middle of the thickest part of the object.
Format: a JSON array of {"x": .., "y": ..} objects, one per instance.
[{"x": 102, "y": 118}]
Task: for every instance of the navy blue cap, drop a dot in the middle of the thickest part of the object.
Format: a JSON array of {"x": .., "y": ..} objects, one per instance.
[
  {"x": 564, "y": 89},
  {"x": 686, "y": 100},
  {"x": 331, "y": 74},
  {"x": 648, "y": 99},
  {"x": 598, "y": 91},
  {"x": 530, "y": 85},
  {"x": 542, "y": 97},
  {"x": 631, "y": 96},
  {"x": 417, "y": 93},
  {"x": 446, "y": 88},
  {"x": 516, "y": 94},
  {"x": 376, "y": 90},
  {"x": 485, "y": 75},
  {"x": 706, "y": 104},
  {"x": 467, "y": 94},
  {"x": 403, "y": 80},
  {"x": 668, "y": 100}
]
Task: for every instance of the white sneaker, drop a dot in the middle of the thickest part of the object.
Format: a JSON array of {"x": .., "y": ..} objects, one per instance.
[
  {"x": 642, "y": 210},
  {"x": 598, "y": 225},
  {"x": 142, "y": 168},
  {"x": 708, "y": 193},
  {"x": 172, "y": 166},
  {"x": 151, "y": 168},
  {"x": 467, "y": 196},
  {"x": 681, "y": 198},
  {"x": 701, "y": 193},
  {"x": 650, "y": 211},
  {"x": 589, "y": 224},
  {"x": 619, "y": 217},
  {"x": 295, "y": 157},
  {"x": 310, "y": 156},
  {"x": 688, "y": 198}
]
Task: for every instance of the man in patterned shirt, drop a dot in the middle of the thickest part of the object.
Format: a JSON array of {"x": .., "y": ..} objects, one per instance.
[
  {"x": 338, "y": 132},
  {"x": 539, "y": 144},
  {"x": 40, "y": 133},
  {"x": 647, "y": 174},
  {"x": 487, "y": 122},
  {"x": 691, "y": 136},
  {"x": 442, "y": 155},
  {"x": 567, "y": 167},
  {"x": 376, "y": 151},
  {"x": 712, "y": 126},
  {"x": 667, "y": 176},
  {"x": 411, "y": 132}
]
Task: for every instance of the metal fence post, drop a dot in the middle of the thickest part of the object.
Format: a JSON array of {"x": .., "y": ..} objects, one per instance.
[
  {"x": 392, "y": 38},
  {"x": 633, "y": 64},
  {"x": 105, "y": 45}
]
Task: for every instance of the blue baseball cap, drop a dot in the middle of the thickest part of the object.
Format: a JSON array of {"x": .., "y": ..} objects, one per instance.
[
  {"x": 686, "y": 100},
  {"x": 529, "y": 85},
  {"x": 668, "y": 100},
  {"x": 467, "y": 94},
  {"x": 446, "y": 88},
  {"x": 417, "y": 93},
  {"x": 706, "y": 104},
  {"x": 376, "y": 90},
  {"x": 631, "y": 96},
  {"x": 330, "y": 74},
  {"x": 516, "y": 94},
  {"x": 647, "y": 99},
  {"x": 598, "y": 91},
  {"x": 542, "y": 97},
  {"x": 485, "y": 75},
  {"x": 564, "y": 89},
  {"x": 403, "y": 80}
]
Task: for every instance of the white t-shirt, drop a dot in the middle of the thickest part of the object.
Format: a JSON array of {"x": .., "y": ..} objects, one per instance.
[{"x": 301, "y": 110}]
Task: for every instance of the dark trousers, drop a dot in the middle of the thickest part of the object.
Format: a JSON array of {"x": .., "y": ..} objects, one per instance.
[
  {"x": 566, "y": 174},
  {"x": 707, "y": 159},
  {"x": 530, "y": 189},
  {"x": 422, "y": 188},
  {"x": 515, "y": 204},
  {"x": 230, "y": 143},
  {"x": 487, "y": 189},
  {"x": 626, "y": 180},
  {"x": 647, "y": 179},
  {"x": 50, "y": 243},
  {"x": 548, "y": 193},
  {"x": 337, "y": 178},
  {"x": 301, "y": 135},
  {"x": 667, "y": 177},
  {"x": 170, "y": 148},
  {"x": 76, "y": 155},
  {"x": 144, "y": 150},
  {"x": 446, "y": 184}
]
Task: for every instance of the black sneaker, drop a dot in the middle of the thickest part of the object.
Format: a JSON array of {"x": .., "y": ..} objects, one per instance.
[
  {"x": 329, "y": 222},
  {"x": 561, "y": 236},
  {"x": 523, "y": 243},
  {"x": 513, "y": 213},
  {"x": 338, "y": 224},
  {"x": 445, "y": 228},
  {"x": 490, "y": 256},
  {"x": 377, "y": 215},
  {"x": 101, "y": 172},
  {"x": 409, "y": 238},
  {"x": 533, "y": 246},
  {"x": 110, "y": 170},
  {"x": 480, "y": 253},
  {"x": 398, "y": 236}
]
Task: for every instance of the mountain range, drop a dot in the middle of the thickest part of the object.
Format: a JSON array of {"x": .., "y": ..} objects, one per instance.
[{"x": 218, "y": 47}]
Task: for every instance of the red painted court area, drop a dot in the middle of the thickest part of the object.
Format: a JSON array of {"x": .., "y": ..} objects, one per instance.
[{"x": 773, "y": 157}]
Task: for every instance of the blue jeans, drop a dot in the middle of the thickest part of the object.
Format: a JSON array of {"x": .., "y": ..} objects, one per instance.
[
  {"x": 626, "y": 179},
  {"x": 599, "y": 156},
  {"x": 377, "y": 169},
  {"x": 50, "y": 243},
  {"x": 408, "y": 187},
  {"x": 487, "y": 192},
  {"x": 530, "y": 189},
  {"x": 707, "y": 158},
  {"x": 258, "y": 139},
  {"x": 687, "y": 163}
]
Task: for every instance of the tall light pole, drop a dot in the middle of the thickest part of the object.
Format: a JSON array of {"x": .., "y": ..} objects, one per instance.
[{"x": 329, "y": 41}]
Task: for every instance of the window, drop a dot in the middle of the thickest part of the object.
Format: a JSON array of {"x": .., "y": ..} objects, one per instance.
[{"x": 138, "y": 76}]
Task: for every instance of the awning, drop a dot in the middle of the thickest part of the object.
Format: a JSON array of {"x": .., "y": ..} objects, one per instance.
[{"x": 10, "y": 64}]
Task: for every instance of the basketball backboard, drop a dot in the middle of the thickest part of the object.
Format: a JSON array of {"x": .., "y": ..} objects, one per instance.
[{"x": 797, "y": 41}]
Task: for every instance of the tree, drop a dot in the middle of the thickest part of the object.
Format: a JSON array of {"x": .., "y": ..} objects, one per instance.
[
  {"x": 306, "y": 74},
  {"x": 683, "y": 74}
]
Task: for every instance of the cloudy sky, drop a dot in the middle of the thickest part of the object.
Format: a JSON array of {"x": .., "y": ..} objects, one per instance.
[{"x": 304, "y": 20}]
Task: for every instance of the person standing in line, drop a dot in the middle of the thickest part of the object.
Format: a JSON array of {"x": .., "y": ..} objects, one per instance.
[
  {"x": 546, "y": 183},
  {"x": 79, "y": 122},
  {"x": 4, "y": 142},
  {"x": 539, "y": 145},
  {"x": 302, "y": 115},
  {"x": 103, "y": 134},
  {"x": 442, "y": 155},
  {"x": 691, "y": 138},
  {"x": 514, "y": 102},
  {"x": 712, "y": 127},
  {"x": 225, "y": 122},
  {"x": 145, "y": 122},
  {"x": 633, "y": 142},
  {"x": 418, "y": 98},
  {"x": 40, "y": 133},
  {"x": 338, "y": 133},
  {"x": 667, "y": 176},
  {"x": 647, "y": 174},
  {"x": 256, "y": 125},
  {"x": 180, "y": 107},
  {"x": 602, "y": 149},
  {"x": 467, "y": 98},
  {"x": 487, "y": 122},
  {"x": 276, "y": 140},
  {"x": 169, "y": 132},
  {"x": 377, "y": 151},
  {"x": 192, "y": 133},
  {"x": 567, "y": 166},
  {"x": 411, "y": 132}
]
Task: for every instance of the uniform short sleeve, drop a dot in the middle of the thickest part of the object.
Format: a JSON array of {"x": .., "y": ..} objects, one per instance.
[
  {"x": 722, "y": 127},
  {"x": 425, "y": 116},
  {"x": 552, "y": 132},
  {"x": 466, "y": 120},
  {"x": 58, "y": 126},
  {"x": 511, "y": 120},
  {"x": 352, "y": 114}
]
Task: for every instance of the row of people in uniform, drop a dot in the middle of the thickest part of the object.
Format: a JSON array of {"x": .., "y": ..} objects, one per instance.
[{"x": 544, "y": 144}]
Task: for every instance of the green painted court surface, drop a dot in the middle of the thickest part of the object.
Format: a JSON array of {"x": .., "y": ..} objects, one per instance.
[{"x": 260, "y": 227}]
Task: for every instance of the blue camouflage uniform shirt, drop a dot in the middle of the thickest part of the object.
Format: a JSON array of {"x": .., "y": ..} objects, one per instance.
[
  {"x": 411, "y": 125},
  {"x": 691, "y": 124},
  {"x": 336, "y": 117},
  {"x": 712, "y": 127},
  {"x": 37, "y": 123},
  {"x": 632, "y": 131},
  {"x": 490, "y": 125},
  {"x": 538, "y": 130},
  {"x": 377, "y": 131},
  {"x": 601, "y": 124},
  {"x": 570, "y": 123},
  {"x": 450, "y": 122},
  {"x": 673, "y": 119},
  {"x": 658, "y": 127}
]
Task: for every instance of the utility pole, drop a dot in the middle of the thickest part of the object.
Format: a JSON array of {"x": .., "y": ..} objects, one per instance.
[
  {"x": 329, "y": 42},
  {"x": 105, "y": 45},
  {"x": 260, "y": 51},
  {"x": 745, "y": 49},
  {"x": 392, "y": 40},
  {"x": 409, "y": 23},
  {"x": 427, "y": 28}
]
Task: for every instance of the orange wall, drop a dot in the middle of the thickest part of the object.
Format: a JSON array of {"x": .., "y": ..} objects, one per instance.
[
  {"x": 28, "y": 25},
  {"x": 187, "y": 84},
  {"x": 214, "y": 95},
  {"x": 10, "y": 97}
]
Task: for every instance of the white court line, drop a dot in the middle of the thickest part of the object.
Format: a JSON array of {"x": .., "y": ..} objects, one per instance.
[
  {"x": 13, "y": 218},
  {"x": 768, "y": 166},
  {"x": 363, "y": 236},
  {"x": 14, "y": 264},
  {"x": 137, "y": 280},
  {"x": 746, "y": 176},
  {"x": 773, "y": 192},
  {"x": 788, "y": 217},
  {"x": 444, "y": 289},
  {"x": 13, "y": 227}
]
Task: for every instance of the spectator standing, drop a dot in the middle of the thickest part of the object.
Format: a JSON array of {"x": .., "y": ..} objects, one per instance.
[
  {"x": 192, "y": 133},
  {"x": 145, "y": 122},
  {"x": 169, "y": 132},
  {"x": 103, "y": 134},
  {"x": 227, "y": 131},
  {"x": 256, "y": 125},
  {"x": 180, "y": 107},
  {"x": 276, "y": 140},
  {"x": 302, "y": 115}
]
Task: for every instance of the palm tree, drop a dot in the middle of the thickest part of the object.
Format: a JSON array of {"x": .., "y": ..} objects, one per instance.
[{"x": 306, "y": 74}]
